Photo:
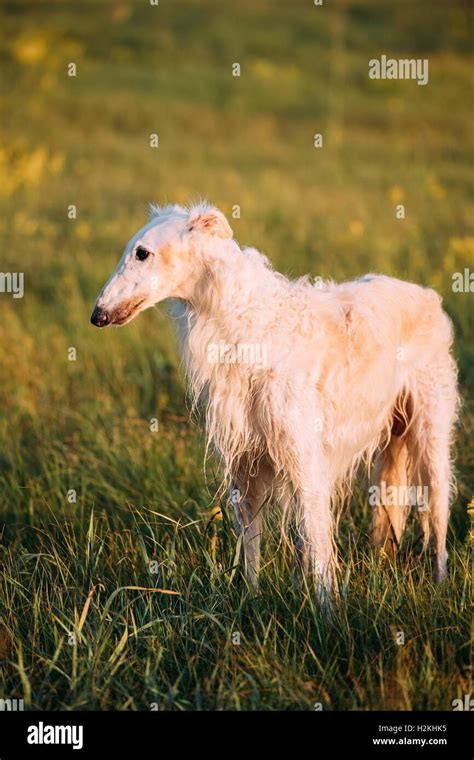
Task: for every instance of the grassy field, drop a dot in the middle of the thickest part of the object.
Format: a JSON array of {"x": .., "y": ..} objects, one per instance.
[{"x": 83, "y": 621}]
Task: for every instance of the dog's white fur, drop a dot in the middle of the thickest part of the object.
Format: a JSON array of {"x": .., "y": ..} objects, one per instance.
[{"x": 353, "y": 372}]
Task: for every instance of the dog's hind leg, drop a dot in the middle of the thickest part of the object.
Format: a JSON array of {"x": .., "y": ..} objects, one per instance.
[
  {"x": 390, "y": 508},
  {"x": 429, "y": 447},
  {"x": 249, "y": 490}
]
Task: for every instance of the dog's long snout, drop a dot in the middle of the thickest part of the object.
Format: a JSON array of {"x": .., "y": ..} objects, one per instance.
[{"x": 100, "y": 317}]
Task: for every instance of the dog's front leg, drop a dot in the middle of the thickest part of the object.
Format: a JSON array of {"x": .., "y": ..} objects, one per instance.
[
  {"x": 316, "y": 532},
  {"x": 247, "y": 496}
]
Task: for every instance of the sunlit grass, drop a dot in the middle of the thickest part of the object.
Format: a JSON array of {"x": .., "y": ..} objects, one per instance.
[{"x": 98, "y": 629}]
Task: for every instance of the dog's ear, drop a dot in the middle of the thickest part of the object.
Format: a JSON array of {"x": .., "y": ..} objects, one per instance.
[{"x": 209, "y": 219}]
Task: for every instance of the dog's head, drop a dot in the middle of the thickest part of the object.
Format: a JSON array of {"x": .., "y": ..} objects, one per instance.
[{"x": 160, "y": 261}]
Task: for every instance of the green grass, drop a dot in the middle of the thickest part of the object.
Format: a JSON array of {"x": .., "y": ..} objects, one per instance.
[
  {"x": 136, "y": 647},
  {"x": 85, "y": 424}
]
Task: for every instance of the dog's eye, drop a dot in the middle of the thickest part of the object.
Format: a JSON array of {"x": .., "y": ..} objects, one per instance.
[{"x": 141, "y": 253}]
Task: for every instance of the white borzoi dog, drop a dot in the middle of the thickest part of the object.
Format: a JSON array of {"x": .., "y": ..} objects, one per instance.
[{"x": 301, "y": 382}]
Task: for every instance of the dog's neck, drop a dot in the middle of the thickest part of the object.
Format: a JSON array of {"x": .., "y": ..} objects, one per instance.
[
  {"x": 232, "y": 286},
  {"x": 228, "y": 306}
]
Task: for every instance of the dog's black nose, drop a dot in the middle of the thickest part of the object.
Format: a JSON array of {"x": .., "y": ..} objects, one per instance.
[{"x": 100, "y": 317}]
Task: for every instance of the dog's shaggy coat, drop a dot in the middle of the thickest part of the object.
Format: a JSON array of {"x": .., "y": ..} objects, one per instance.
[{"x": 354, "y": 372}]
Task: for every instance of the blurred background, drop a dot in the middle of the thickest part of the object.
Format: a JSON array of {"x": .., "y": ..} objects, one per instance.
[{"x": 246, "y": 141}]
